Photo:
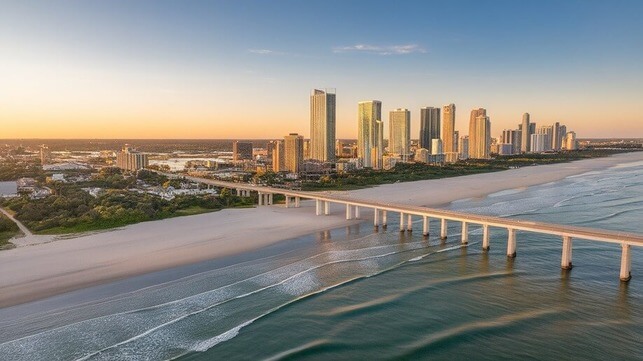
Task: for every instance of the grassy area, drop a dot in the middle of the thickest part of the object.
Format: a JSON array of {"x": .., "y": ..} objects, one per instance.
[
  {"x": 8, "y": 229},
  {"x": 191, "y": 211}
]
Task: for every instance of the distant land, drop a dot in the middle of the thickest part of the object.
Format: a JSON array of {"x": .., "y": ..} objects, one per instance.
[{"x": 169, "y": 145}]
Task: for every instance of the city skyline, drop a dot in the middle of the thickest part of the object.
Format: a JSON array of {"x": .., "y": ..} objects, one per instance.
[{"x": 166, "y": 72}]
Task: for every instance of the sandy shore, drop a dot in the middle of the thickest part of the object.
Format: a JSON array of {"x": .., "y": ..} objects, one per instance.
[{"x": 42, "y": 267}]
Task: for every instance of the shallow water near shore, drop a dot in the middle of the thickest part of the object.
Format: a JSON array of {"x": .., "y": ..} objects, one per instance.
[{"x": 353, "y": 293}]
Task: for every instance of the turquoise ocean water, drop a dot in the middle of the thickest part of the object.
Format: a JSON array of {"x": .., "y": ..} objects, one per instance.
[{"x": 352, "y": 293}]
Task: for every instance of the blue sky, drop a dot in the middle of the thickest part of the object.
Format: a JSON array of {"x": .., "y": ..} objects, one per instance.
[{"x": 221, "y": 69}]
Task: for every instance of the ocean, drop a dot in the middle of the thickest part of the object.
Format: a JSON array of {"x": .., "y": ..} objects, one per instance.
[{"x": 353, "y": 293}]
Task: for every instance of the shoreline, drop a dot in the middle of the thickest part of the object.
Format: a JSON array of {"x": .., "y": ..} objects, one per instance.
[{"x": 55, "y": 267}]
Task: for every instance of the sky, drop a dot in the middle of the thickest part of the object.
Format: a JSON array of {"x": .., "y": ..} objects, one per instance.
[{"x": 245, "y": 69}]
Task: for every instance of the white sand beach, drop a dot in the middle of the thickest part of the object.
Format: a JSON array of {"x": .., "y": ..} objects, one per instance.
[{"x": 41, "y": 267}]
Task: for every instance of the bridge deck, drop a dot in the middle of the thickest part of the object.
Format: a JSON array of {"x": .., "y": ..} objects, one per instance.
[{"x": 587, "y": 233}]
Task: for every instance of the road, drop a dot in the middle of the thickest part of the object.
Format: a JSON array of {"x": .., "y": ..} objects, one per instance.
[{"x": 22, "y": 227}]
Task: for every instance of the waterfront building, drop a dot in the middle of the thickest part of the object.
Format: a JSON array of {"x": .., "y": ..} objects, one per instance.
[
  {"x": 293, "y": 152},
  {"x": 370, "y": 133},
  {"x": 429, "y": 126},
  {"x": 463, "y": 147},
  {"x": 449, "y": 135},
  {"x": 570, "y": 141},
  {"x": 422, "y": 155},
  {"x": 322, "y": 125},
  {"x": 479, "y": 134},
  {"x": 456, "y": 142},
  {"x": 513, "y": 137},
  {"x": 278, "y": 156},
  {"x": 559, "y": 135},
  {"x": 399, "y": 132},
  {"x": 436, "y": 146},
  {"x": 241, "y": 151},
  {"x": 505, "y": 149},
  {"x": 538, "y": 142},
  {"x": 548, "y": 131},
  {"x": 451, "y": 157},
  {"x": 131, "y": 160},
  {"x": 525, "y": 144}
]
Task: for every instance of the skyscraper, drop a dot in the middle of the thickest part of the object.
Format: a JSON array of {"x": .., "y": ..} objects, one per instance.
[
  {"x": 562, "y": 132},
  {"x": 570, "y": 141},
  {"x": 463, "y": 147},
  {"x": 548, "y": 131},
  {"x": 278, "y": 157},
  {"x": 559, "y": 134},
  {"x": 322, "y": 125},
  {"x": 370, "y": 133},
  {"x": 538, "y": 142},
  {"x": 429, "y": 126},
  {"x": 399, "y": 132},
  {"x": 241, "y": 151},
  {"x": 526, "y": 134},
  {"x": 514, "y": 138},
  {"x": 293, "y": 152},
  {"x": 449, "y": 139},
  {"x": 479, "y": 134},
  {"x": 131, "y": 160}
]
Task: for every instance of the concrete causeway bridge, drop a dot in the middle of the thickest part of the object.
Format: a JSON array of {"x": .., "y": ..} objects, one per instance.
[{"x": 407, "y": 212}]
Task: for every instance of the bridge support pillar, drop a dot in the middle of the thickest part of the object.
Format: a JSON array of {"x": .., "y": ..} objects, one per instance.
[
  {"x": 287, "y": 202},
  {"x": 270, "y": 199},
  {"x": 425, "y": 226},
  {"x": 443, "y": 228},
  {"x": 465, "y": 233},
  {"x": 376, "y": 218},
  {"x": 260, "y": 199},
  {"x": 485, "y": 237},
  {"x": 566, "y": 261},
  {"x": 409, "y": 224},
  {"x": 357, "y": 212},
  {"x": 326, "y": 208},
  {"x": 318, "y": 208},
  {"x": 297, "y": 202},
  {"x": 384, "y": 222},
  {"x": 401, "y": 222},
  {"x": 349, "y": 211},
  {"x": 511, "y": 242},
  {"x": 626, "y": 263}
]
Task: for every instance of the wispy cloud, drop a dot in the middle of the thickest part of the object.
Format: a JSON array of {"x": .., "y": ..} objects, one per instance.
[
  {"x": 402, "y": 49},
  {"x": 265, "y": 52}
]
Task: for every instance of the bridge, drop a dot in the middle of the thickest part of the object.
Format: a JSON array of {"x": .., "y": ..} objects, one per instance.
[{"x": 407, "y": 212}]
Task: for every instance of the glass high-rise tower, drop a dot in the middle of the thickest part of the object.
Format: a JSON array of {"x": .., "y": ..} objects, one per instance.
[
  {"x": 399, "y": 132},
  {"x": 370, "y": 133},
  {"x": 322, "y": 125},
  {"x": 429, "y": 126},
  {"x": 449, "y": 140}
]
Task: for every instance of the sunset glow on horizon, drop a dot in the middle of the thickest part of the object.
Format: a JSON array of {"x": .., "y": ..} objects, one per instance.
[{"x": 245, "y": 69}]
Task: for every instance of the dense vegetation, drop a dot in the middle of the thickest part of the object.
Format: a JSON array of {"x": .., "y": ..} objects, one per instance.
[
  {"x": 402, "y": 172},
  {"x": 406, "y": 172},
  {"x": 71, "y": 209},
  {"x": 11, "y": 170},
  {"x": 8, "y": 229}
]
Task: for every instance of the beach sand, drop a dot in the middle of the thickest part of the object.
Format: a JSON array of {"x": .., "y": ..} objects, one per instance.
[{"x": 43, "y": 266}]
